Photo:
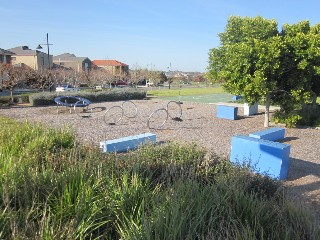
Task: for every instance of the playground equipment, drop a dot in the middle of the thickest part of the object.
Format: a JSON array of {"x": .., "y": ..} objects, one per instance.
[
  {"x": 160, "y": 116},
  {"x": 73, "y": 102},
  {"x": 115, "y": 113}
]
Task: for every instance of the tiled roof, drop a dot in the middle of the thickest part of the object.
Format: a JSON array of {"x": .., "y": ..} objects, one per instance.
[
  {"x": 108, "y": 63},
  {"x": 6, "y": 52},
  {"x": 23, "y": 51},
  {"x": 68, "y": 57}
]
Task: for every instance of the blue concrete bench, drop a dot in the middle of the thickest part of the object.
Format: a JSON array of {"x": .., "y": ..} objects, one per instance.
[
  {"x": 264, "y": 157},
  {"x": 235, "y": 98},
  {"x": 228, "y": 112},
  {"x": 271, "y": 134},
  {"x": 127, "y": 143}
]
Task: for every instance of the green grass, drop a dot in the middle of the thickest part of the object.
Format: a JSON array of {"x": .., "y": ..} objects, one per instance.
[
  {"x": 185, "y": 91},
  {"x": 54, "y": 188},
  {"x": 318, "y": 100}
]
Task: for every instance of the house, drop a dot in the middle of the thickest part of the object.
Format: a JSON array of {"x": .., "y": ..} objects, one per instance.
[
  {"x": 35, "y": 59},
  {"x": 71, "y": 61},
  {"x": 113, "y": 66},
  {"x": 5, "y": 56}
]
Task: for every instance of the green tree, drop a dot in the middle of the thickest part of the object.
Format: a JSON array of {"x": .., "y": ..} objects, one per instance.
[
  {"x": 248, "y": 60},
  {"x": 257, "y": 61},
  {"x": 301, "y": 59},
  {"x": 157, "y": 77}
]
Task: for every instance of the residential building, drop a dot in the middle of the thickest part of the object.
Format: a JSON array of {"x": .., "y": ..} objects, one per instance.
[
  {"x": 113, "y": 66},
  {"x": 5, "y": 56},
  {"x": 71, "y": 61},
  {"x": 35, "y": 59}
]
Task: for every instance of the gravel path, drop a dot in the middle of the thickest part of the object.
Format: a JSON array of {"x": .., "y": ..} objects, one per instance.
[{"x": 200, "y": 126}]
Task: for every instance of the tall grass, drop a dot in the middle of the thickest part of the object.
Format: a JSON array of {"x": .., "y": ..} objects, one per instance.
[{"x": 54, "y": 188}]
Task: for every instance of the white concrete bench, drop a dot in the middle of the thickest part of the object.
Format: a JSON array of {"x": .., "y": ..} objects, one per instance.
[{"x": 249, "y": 110}]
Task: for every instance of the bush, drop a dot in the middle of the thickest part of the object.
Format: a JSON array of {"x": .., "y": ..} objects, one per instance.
[
  {"x": 45, "y": 98},
  {"x": 289, "y": 119},
  {"x": 5, "y": 100},
  {"x": 310, "y": 115},
  {"x": 24, "y": 98}
]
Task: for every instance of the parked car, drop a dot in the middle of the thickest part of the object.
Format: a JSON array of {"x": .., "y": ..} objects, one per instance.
[
  {"x": 66, "y": 87},
  {"x": 150, "y": 83},
  {"x": 121, "y": 83}
]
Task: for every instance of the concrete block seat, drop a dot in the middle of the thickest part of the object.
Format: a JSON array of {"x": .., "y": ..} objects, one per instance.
[
  {"x": 127, "y": 143},
  {"x": 235, "y": 98},
  {"x": 249, "y": 110},
  {"x": 227, "y": 112},
  {"x": 271, "y": 134},
  {"x": 263, "y": 156}
]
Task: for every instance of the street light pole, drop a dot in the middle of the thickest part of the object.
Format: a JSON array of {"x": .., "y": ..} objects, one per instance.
[
  {"x": 48, "y": 51},
  {"x": 39, "y": 47}
]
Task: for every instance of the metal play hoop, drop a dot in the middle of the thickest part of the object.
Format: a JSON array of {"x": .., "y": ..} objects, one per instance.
[
  {"x": 85, "y": 112},
  {"x": 158, "y": 118},
  {"x": 113, "y": 115},
  {"x": 174, "y": 110},
  {"x": 130, "y": 109}
]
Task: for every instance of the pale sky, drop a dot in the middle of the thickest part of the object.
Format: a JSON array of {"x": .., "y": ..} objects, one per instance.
[{"x": 160, "y": 35}]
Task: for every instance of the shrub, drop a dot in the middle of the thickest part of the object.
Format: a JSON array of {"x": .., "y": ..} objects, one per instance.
[
  {"x": 45, "y": 98},
  {"x": 310, "y": 115},
  {"x": 289, "y": 119},
  {"x": 5, "y": 99}
]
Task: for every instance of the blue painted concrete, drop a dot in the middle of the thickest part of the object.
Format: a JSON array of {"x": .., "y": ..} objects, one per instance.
[
  {"x": 263, "y": 156},
  {"x": 228, "y": 112},
  {"x": 271, "y": 134},
  {"x": 235, "y": 98},
  {"x": 127, "y": 143}
]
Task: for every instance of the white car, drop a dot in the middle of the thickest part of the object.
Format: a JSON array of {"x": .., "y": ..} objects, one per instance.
[{"x": 65, "y": 87}]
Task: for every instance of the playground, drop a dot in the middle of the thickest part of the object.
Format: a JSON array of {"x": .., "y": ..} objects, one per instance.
[{"x": 198, "y": 125}]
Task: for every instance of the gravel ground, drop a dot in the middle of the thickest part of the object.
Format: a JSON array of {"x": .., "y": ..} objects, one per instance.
[{"x": 198, "y": 125}]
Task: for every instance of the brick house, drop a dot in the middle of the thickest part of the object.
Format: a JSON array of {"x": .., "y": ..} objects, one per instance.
[{"x": 113, "y": 66}]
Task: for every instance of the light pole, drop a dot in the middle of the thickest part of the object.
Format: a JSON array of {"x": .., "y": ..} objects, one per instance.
[{"x": 39, "y": 47}]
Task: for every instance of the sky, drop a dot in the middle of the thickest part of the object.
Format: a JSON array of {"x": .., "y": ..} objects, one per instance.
[{"x": 164, "y": 35}]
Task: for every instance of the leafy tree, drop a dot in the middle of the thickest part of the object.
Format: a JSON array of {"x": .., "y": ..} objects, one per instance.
[
  {"x": 257, "y": 61},
  {"x": 302, "y": 56},
  {"x": 157, "y": 77}
]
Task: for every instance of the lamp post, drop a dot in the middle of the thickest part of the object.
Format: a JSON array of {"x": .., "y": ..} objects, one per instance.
[{"x": 39, "y": 47}]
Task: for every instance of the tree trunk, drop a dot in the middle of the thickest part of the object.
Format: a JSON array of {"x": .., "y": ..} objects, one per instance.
[
  {"x": 314, "y": 99},
  {"x": 266, "y": 114},
  {"x": 11, "y": 95}
]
